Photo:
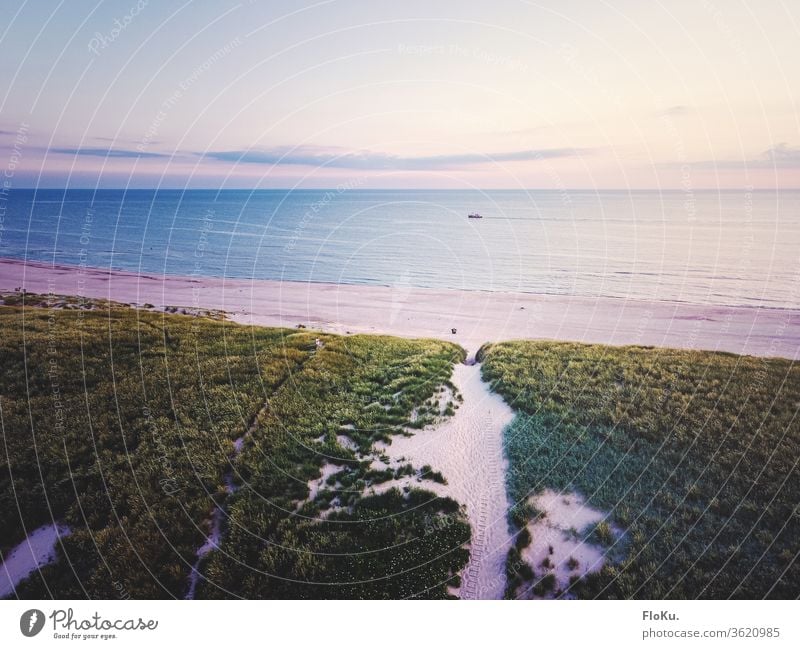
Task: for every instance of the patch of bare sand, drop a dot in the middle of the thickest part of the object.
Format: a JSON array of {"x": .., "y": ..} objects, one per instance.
[
  {"x": 557, "y": 547},
  {"x": 35, "y": 552},
  {"x": 319, "y": 484}
]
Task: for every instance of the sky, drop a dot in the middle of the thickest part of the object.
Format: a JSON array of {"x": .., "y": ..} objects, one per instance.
[{"x": 678, "y": 95}]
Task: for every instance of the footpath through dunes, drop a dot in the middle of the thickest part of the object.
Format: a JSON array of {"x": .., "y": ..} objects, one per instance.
[{"x": 467, "y": 449}]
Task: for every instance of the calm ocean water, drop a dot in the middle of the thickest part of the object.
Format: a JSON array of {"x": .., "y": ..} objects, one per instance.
[{"x": 705, "y": 247}]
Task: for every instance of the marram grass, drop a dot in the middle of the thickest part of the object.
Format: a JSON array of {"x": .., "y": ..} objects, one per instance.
[
  {"x": 694, "y": 455},
  {"x": 121, "y": 423}
]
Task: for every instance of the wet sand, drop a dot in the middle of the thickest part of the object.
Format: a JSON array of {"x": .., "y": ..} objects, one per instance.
[{"x": 477, "y": 316}]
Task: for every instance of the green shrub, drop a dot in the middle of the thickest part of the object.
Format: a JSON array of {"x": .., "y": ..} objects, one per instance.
[{"x": 523, "y": 539}]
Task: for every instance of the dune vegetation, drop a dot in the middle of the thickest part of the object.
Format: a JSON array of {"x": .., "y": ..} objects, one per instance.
[
  {"x": 692, "y": 455},
  {"x": 131, "y": 426}
]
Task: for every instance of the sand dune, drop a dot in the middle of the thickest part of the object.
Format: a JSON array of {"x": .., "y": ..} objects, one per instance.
[{"x": 467, "y": 448}]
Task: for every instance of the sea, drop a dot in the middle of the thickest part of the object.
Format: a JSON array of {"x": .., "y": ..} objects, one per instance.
[{"x": 701, "y": 247}]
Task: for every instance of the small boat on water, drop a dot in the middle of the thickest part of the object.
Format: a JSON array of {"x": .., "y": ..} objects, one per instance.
[{"x": 474, "y": 215}]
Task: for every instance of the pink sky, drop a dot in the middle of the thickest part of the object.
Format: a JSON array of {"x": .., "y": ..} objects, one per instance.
[{"x": 506, "y": 94}]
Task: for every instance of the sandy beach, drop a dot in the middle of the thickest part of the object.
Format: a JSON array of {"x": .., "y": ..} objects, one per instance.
[{"x": 477, "y": 316}]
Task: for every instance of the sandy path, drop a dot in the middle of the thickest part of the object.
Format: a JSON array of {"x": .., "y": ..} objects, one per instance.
[
  {"x": 468, "y": 449},
  {"x": 478, "y": 316},
  {"x": 218, "y": 513}
]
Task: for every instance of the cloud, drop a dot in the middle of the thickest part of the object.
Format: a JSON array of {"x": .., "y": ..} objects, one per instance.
[
  {"x": 783, "y": 155},
  {"x": 99, "y": 152},
  {"x": 122, "y": 140},
  {"x": 779, "y": 156},
  {"x": 346, "y": 159}
]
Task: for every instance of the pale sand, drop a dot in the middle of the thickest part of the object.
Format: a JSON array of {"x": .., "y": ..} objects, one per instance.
[
  {"x": 318, "y": 484},
  {"x": 556, "y": 537},
  {"x": 33, "y": 553},
  {"x": 468, "y": 450},
  {"x": 478, "y": 316}
]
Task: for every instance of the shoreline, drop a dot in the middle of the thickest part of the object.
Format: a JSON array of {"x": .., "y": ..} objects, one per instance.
[
  {"x": 477, "y": 316},
  {"x": 202, "y": 279}
]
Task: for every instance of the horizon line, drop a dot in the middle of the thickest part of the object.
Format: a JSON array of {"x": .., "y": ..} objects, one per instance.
[{"x": 418, "y": 189}]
